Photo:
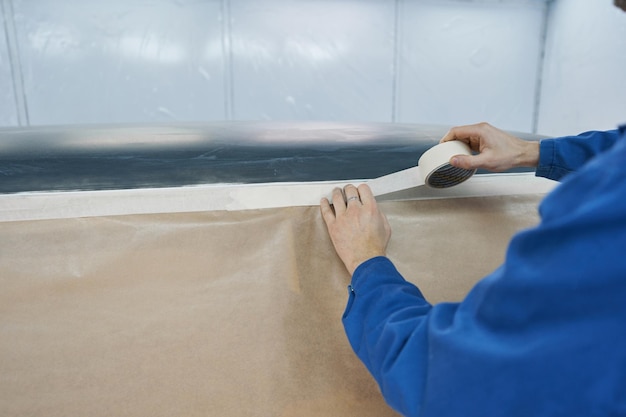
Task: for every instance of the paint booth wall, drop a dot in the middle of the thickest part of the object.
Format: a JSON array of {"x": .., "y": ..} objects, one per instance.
[
  {"x": 584, "y": 81},
  {"x": 413, "y": 61}
]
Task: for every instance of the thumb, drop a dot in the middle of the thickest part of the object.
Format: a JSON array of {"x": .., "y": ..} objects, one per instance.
[{"x": 466, "y": 161}]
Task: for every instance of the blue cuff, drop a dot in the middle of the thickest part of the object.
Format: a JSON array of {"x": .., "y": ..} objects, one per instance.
[
  {"x": 365, "y": 268},
  {"x": 549, "y": 166}
]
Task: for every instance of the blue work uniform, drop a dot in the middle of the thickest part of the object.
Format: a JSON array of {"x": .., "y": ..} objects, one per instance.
[{"x": 543, "y": 335}]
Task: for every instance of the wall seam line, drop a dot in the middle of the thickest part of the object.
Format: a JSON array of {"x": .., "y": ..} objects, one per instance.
[
  {"x": 395, "y": 64},
  {"x": 227, "y": 57},
  {"x": 19, "y": 93},
  {"x": 541, "y": 66}
]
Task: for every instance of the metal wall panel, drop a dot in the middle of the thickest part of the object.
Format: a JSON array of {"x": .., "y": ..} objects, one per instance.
[
  {"x": 8, "y": 109},
  {"x": 583, "y": 81},
  {"x": 88, "y": 61},
  {"x": 466, "y": 62},
  {"x": 312, "y": 60},
  {"x": 423, "y": 61}
]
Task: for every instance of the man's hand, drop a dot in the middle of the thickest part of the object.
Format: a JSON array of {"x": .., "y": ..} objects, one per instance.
[
  {"x": 358, "y": 229},
  {"x": 498, "y": 150}
]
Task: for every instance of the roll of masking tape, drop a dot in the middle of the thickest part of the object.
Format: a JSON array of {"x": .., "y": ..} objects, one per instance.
[
  {"x": 435, "y": 166},
  {"x": 433, "y": 169}
]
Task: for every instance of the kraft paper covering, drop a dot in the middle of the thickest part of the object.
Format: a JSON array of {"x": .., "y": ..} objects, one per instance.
[{"x": 215, "y": 313}]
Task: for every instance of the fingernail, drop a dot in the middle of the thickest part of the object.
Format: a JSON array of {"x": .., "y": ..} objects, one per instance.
[{"x": 454, "y": 161}]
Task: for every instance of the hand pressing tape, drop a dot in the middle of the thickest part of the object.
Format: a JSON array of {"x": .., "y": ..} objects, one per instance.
[{"x": 433, "y": 169}]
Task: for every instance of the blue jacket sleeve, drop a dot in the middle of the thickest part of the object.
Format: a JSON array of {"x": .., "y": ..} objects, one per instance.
[
  {"x": 561, "y": 156},
  {"x": 382, "y": 306},
  {"x": 543, "y": 335}
]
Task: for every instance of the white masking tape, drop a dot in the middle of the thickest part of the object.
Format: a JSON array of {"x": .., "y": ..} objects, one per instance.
[
  {"x": 218, "y": 197},
  {"x": 433, "y": 169}
]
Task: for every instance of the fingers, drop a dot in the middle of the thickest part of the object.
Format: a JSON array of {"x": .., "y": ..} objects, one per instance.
[
  {"x": 352, "y": 195},
  {"x": 327, "y": 212},
  {"x": 461, "y": 133},
  {"x": 451, "y": 135},
  {"x": 342, "y": 199},
  {"x": 365, "y": 193},
  {"x": 347, "y": 196},
  {"x": 338, "y": 201},
  {"x": 470, "y": 134}
]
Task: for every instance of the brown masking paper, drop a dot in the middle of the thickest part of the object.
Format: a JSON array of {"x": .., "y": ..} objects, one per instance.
[{"x": 215, "y": 313}]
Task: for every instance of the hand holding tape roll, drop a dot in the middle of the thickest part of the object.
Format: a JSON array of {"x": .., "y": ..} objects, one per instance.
[{"x": 433, "y": 169}]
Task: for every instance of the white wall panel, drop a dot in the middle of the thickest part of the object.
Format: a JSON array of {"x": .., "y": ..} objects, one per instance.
[
  {"x": 89, "y": 61},
  {"x": 8, "y": 110},
  {"x": 467, "y": 62},
  {"x": 312, "y": 60},
  {"x": 435, "y": 61},
  {"x": 584, "y": 81}
]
